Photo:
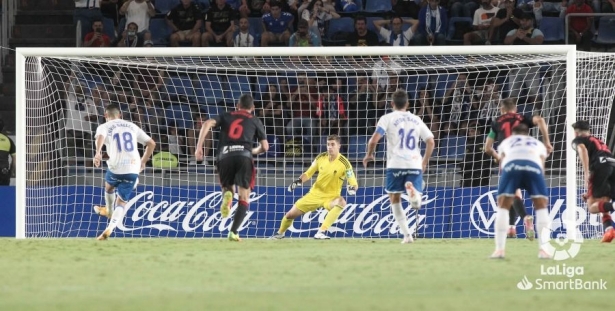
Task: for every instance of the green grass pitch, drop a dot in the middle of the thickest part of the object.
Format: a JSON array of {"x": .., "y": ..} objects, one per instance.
[{"x": 292, "y": 274}]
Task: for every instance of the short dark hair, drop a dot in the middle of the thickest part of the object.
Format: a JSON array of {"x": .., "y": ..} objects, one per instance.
[
  {"x": 335, "y": 137},
  {"x": 132, "y": 23},
  {"x": 275, "y": 3},
  {"x": 400, "y": 99},
  {"x": 360, "y": 18},
  {"x": 113, "y": 109},
  {"x": 246, "y": 101},
  {"x": 509, "y": 104},
  {"x": 521, "y": 129}
]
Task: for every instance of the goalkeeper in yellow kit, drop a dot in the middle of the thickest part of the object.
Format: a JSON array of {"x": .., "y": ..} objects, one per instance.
[{"x": 333, "y": 168}]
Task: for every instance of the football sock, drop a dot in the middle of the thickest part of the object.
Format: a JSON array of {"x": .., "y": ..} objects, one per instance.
[
  {"x": 501, "y": 225},
  {"x": 512, "y": 217},
  {"x": 605, "y": 207},
  {"x": 240, "y": 214},
  {"x": 109, "y": 202},
  {"x": 117, "y": 217},
  {"x": 401, "y": 219},
  {"x": 285, "y": 224},
  {"x": 542, "y": 223},
  {"x": 519, "y": 207},
  {"x": 331, "y": 218},
  {"x": 607, "y": 221}
]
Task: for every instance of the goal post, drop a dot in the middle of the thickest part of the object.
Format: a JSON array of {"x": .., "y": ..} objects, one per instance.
[{"x": 53, "y": 206}]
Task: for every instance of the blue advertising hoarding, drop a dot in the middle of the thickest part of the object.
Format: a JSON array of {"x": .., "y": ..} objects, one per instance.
[{"x": 193, "y": 212}]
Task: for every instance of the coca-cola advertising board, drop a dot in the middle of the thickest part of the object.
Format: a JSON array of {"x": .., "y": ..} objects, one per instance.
[{"x": 194, "y": 212}]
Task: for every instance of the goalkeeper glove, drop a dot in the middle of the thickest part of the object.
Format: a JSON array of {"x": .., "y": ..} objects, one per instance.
[
  {"x": 351, "y": 190},
  {"x": 294, "y": 185}
]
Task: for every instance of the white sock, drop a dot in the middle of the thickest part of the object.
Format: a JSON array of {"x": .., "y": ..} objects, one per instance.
[
  {"x": 109, "y": 202},
  {"x": 118, "y": 216},
  {"x": 401, "y": 219},
  {"x": 542, "y": 222},
  {"x": 501, "y": 225}
]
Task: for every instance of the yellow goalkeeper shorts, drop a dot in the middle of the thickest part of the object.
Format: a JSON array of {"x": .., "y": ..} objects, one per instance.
[{"x": 311, "y": 202}]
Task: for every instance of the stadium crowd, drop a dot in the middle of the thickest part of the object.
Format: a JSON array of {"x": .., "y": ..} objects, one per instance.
[{"x": 300, "y": 109}]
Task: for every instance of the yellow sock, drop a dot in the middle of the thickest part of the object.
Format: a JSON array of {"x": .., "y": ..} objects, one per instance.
[
  {"x": 331, "y": 217},
  {"x": 285, "y": 224}
]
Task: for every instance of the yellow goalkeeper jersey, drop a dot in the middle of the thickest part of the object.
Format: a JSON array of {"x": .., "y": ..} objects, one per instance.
[{"x": 331, "y": 175}]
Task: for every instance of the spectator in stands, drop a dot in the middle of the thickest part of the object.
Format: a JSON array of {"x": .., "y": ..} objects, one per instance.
[
  {"x": 488, "y": 99},
  {"x": 276, "y": 25},
  {"x": 526, "y": 33},
  {"x": 476, "y": 165},
  {"x": 243, "y": 37},
  {"x": 505, "y": 20},
  {"x": 131, "y": 37},
  {"x": 362, "y": 36},
  {"x": 139, "y": 12},
  {"x": 240, "y": 6},
  {"x": 382, "y": 71},
  {"x": 406, "y": 8},
  {"x": 272, "y": 111},
  {"x": 302, "y": 107},
  {"x": 396, "y": 36},
  {"x": 330, "y": 108},
  {"x": 362, "y": 107},
  {"x": 541, "y": 6},
  {"x": 100, "y": 100},
  {"x": 607, "y": 6},
  {"x": 457, "y": 100},
  {"x": 304, "y": 36},
  {"x": 433, "y": 24},
  {"x": 96, "y": 38},
  {"x": 148, "y": 81},
  {"x": 185, "y": 20},
  {"x": 86, "y": 12},
  {"x": 463, "y": 8},
  {"x": 317, "y": 16},
  {"x": 219, "y": 25},
  {"x": 261, "y": 6},
  {"x": 579, "y": 28},
  {"x": 348, "y": 5},
  {"x": 424, "y": 108},
  {"x": 481, "y": 24},
  {"x": 385, "y": 93}
]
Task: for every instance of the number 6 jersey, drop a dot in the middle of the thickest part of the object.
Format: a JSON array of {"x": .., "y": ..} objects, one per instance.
[
  {"x": 121, "y": 139},
  {"x": 237, "y": 132},
  {"x": 403, "y": 130}
]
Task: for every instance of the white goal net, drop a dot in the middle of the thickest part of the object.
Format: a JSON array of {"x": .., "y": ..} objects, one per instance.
[{"x": 302, "y": 95}]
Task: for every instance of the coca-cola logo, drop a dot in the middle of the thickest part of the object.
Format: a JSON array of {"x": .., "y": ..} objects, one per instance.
[{"x": 375, "y": 217}]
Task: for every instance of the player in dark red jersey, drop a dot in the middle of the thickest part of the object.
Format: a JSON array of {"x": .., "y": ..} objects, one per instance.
[
  {"x": 235, "y": 166},
  {"x": 501, "y": 128},
  {"x": 599, "y": 171}
]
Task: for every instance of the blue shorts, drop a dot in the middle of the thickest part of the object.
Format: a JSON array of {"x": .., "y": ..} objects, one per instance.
[
  {"x": 123, "y": 183},
  {"x": 522, "y": 174},
  {"x": 397, "y": 178}
]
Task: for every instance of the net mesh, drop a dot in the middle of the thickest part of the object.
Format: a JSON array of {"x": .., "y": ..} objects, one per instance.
[{"x": 300, "y": 100}]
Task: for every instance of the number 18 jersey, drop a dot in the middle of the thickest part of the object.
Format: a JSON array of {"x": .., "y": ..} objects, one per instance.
[
  {"x": 121, "y": 139},
  {"x": 403, "y": 131}
]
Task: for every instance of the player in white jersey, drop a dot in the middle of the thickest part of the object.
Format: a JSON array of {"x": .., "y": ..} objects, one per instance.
[
  {"x": 405, "y": 165},
  {"x": 522, "y": 162},
  {"x": 124, "y": 165}
]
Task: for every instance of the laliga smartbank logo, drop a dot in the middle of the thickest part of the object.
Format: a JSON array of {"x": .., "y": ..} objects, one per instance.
[{"x": 562, "y": 247}]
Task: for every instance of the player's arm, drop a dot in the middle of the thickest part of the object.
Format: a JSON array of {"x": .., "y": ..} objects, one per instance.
[
  {"x": 373, "y": 141},
  {"x": 427, "y": 136},
  {"x": 544, "y": 131},
  {"x": 584, "y": 158},
  {"x": 489, "y": 150},
  {"x": 351, "y": 181},
  {"x": 205, "y": 128},
  {"x": 305, "y": 176},
  {"x": 262, "y": 138},
  {"x": 150, "y": 145},
  {"x": 99, "y": 143}
]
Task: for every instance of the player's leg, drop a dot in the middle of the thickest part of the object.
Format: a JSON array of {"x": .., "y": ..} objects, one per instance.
[
  {"x": 542, "y": 223},
  {"x": 110, "y": 183},
  {"x": 506, "y": 193},
  {"x": 528, "y": 220},
  {"x": 335, "y": 208},
  {"x": 244, "y": 179},
  {"x": 599, "y": 199},
  {"x": 124, "y": 193},
  {"x": 414, "y": 187},
  {"x": 307, "y": 203},
  {"x": 226, "y": 176},
  {"x": 395, "y": 186}
]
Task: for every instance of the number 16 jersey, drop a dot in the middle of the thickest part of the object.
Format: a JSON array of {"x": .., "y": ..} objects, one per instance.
[
  {"x": 403, "y": 130},
  {"x": 121, "y": 139}
]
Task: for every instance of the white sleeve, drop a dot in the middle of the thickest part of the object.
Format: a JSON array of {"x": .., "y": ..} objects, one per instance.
[
  {"x": 502, "y": 146},
  {"x": 425, "y": 132},
  {"x": 382, "y": 125},
  {"x": 385, "y": 34},
  {"x": 477, "y": 19},
  {"x": 142, "y": 137},
  {"x": 408, "y": 33},
  {"x": 101, "y": 131}
]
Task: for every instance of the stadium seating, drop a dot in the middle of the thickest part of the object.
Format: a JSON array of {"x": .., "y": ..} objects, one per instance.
[
  {"x": 606, "y": 32},
  {"x": 452, "y": 146},
  {"x": 179, "y": 86},
  {"x": 109, "y": 28},
  {"x": 552, "y": 29},
  {"x": 160, "y": 31},
  {"x": 357, "y": 146},
  {"x": 443, "y": 83},
  {"x": 414, "y": 84},
  {"x": 179, "y": 116},
  {"x": 209, "y": 90},
  {"x": 378, "y": 6},
  {"x": 164, "y": 6},
  {"x": 344, "y": 24},
  {"x": 237, "y": 85},
  {"x": 370, "y": 24},
  {"x": 453, "y": 24}
]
